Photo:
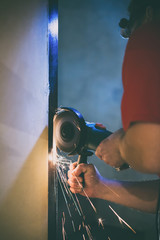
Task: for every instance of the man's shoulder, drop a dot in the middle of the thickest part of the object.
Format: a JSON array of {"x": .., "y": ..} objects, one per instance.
[{"x": 145, "y": 37}]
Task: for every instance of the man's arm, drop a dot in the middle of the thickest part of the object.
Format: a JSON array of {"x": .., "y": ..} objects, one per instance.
[
  {"x": 139, "y": 195},
  {"x": 139, "y": 146}
]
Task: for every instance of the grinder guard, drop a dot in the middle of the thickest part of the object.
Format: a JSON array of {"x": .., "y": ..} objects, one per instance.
[{"x": 73, "y": 135}]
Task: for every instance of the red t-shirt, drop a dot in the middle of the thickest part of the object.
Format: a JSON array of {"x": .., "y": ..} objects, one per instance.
[{"x": 141, "y": 76}]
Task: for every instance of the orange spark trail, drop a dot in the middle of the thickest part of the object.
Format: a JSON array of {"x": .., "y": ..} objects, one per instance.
[
  {"x": 86, "y": 196},
  {"x": 111, "y": 190},
  {"x": 121, "y": 220}
]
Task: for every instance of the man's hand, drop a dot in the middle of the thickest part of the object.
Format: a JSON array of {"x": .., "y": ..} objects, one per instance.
[
  {"x": 108, "y": 150},
  {"x": 139, "y": 195},
  {"x": 84, "y": 176}
]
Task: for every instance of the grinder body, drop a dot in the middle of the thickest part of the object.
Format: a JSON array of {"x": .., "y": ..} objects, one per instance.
[{"x": 94, "y": 135}]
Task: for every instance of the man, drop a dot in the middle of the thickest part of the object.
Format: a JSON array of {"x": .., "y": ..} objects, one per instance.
[{"x": 138, "y": 143}]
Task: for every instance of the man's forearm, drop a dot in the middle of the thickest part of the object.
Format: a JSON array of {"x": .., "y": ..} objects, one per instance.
[
  {"x": 139, "y": 195},
  {"x": 139, "y": 147},
  {"x": 142, "y": 196}
]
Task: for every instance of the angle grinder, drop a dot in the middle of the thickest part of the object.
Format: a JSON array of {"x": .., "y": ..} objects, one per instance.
[{"x": 74, "y": 135}]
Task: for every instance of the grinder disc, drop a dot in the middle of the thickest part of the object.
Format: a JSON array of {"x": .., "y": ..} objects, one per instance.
[{"x": 69, "y": 130}]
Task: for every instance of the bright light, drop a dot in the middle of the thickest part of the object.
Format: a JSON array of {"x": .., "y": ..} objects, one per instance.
[
  {"x": 53, "y": 26},
  {"x": 50, "y": 156},
  {"x": 100, "y": 222}
]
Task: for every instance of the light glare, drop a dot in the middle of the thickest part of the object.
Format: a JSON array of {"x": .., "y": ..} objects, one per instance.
[{"x": 53, "y": 27}]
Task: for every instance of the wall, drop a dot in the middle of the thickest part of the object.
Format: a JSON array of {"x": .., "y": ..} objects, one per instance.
[{"x": 23, "y": 119}]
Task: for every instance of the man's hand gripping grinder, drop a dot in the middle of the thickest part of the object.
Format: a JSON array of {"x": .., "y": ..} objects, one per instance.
[{"x": 74, "y": 135}]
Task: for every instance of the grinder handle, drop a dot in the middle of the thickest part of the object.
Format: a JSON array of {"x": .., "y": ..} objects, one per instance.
[
  {"x": 95, "y": 135},
  {"x": 82, "y": 159}
]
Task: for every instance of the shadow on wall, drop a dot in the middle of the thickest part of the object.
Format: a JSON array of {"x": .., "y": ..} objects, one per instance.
[{"x": 23, "y": 213}]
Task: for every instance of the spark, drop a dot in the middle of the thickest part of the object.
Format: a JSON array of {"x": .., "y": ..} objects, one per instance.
[
  {"x": 111, "y": 190},
  {"x": 89, "y": 201},
  {"x": 84, "y": 237},
  {"x": 73, "y": 226},
  {"x": 63, "y": 162},
  {"x": 86, "y": 195},
  {"x": 62, "y": 165},
  {"x": 65, "y": 185},
  {"x": 64, "y": 195},
  {"x": 100, "y": 222},
  {"x": 63, "y": 230},
  {"x": 88, "y": 232},
  {"x": 121, "y": 220},
  {"x": 79, "y": 204}
]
